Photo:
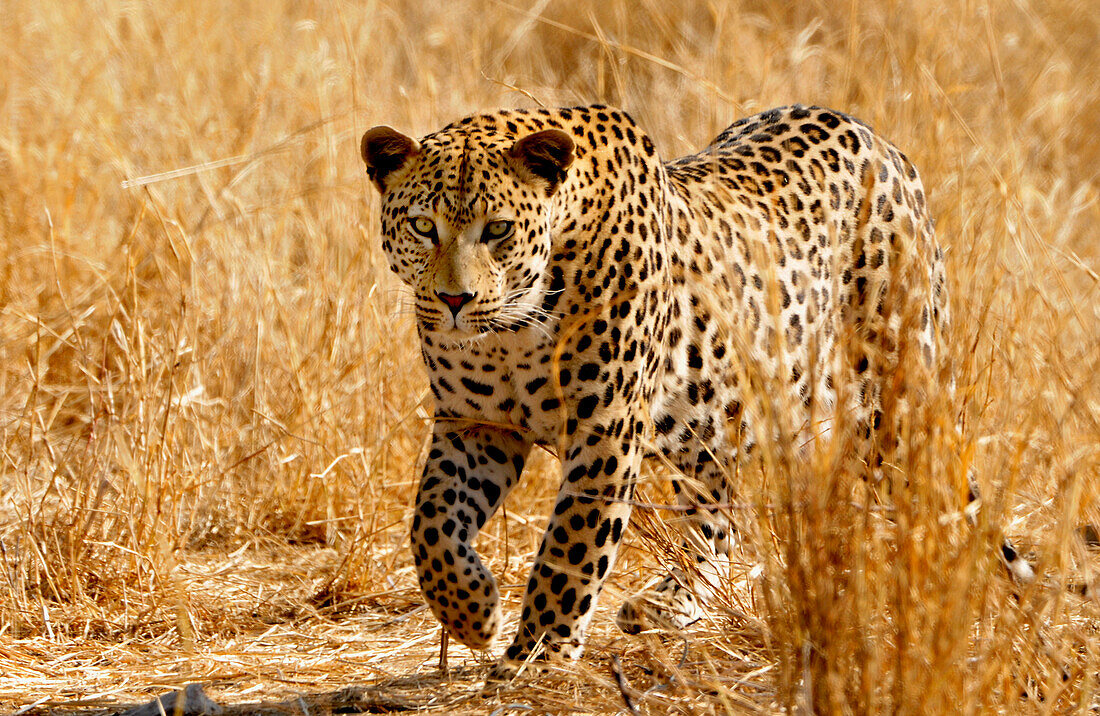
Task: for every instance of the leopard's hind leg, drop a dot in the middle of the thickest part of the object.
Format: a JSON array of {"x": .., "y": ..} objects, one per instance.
[{"x": 699, "y": 573}]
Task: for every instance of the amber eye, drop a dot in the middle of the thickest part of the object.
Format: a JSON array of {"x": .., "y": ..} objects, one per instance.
[
  {"x": 497, "y": 230},
  {"x": 423, "y": 226}
]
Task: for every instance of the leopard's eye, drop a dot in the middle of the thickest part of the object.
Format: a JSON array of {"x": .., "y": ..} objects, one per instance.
[
  {"x": 497, "y": 230},
  {"x": 423, "y": 226}
]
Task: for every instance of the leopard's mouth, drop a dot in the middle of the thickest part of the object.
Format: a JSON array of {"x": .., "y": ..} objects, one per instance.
[
  {"x": 474, "y": 321},
  {"x": 462, "y": 325}
]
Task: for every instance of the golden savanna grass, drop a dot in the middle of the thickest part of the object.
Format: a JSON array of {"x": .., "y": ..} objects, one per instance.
[{"x": 213, "y": 408}]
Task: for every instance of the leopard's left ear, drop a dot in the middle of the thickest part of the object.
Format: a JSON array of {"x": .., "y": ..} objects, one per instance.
[
  {"x": 546, "y": 155},
  {"x": 385, "y": 150}
]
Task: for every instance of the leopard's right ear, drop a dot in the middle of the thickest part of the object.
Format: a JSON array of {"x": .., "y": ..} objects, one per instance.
[{"x": 385, "y": 150}]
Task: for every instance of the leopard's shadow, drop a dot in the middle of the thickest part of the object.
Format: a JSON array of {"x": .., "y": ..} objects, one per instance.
[{"x": 415, "y": 692}]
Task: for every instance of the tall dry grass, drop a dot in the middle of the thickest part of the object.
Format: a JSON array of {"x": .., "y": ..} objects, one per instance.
[{"x": 212, "y": 406}]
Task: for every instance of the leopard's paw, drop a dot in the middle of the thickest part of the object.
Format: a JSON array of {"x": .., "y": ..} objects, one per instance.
[{"x": 667, "y": 606}]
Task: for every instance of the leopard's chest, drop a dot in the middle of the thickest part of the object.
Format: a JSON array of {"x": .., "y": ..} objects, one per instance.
[{"x": 508, "y": 381}]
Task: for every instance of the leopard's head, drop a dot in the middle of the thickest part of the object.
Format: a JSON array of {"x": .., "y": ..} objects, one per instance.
[{"x": 466, "y": 221}]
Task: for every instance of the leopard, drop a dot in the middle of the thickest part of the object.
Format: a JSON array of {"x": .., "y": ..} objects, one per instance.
[{"x": 573, "y": 290}]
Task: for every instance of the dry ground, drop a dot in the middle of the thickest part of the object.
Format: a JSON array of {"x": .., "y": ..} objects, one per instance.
[{"x": 211, "y": 404}]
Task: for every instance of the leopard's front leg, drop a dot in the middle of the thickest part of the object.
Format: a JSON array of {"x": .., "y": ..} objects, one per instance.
[
  {"x": 468, "y": 474},
  {"x": 578, "y": 550}
]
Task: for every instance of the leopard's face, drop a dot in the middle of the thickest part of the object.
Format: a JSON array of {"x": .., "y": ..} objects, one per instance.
[{"x": 466, "y": 225}]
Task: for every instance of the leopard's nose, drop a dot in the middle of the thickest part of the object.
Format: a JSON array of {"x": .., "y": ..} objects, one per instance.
[{"x": 455, "y": 301}]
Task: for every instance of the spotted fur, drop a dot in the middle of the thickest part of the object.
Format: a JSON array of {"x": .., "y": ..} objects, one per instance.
[{"x": 571, "y": 289}]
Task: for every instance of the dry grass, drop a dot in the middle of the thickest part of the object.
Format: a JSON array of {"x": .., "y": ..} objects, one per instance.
[{"x": 212, "y": 407}]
